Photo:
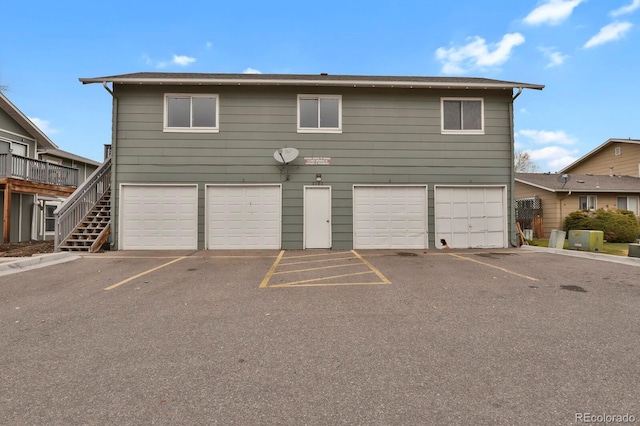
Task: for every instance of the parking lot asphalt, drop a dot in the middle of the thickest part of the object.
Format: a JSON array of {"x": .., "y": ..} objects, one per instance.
[{"x": 387, "y": 337}]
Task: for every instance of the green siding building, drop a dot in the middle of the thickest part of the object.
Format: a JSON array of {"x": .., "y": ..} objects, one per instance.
[{"x": 369, "y": 161}]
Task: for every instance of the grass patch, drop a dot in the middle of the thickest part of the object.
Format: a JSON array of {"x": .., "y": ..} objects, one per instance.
[{"x": 617, "y": 249}]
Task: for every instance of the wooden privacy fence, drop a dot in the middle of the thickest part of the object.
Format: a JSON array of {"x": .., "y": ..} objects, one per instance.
[{"x": 529, "y": 216}]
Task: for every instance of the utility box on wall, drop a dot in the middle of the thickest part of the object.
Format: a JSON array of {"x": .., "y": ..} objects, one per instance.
[{"x": 586, "y": 240}]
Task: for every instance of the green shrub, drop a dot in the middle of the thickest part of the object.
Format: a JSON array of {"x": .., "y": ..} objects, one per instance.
[{"x": 618, "y": 226}]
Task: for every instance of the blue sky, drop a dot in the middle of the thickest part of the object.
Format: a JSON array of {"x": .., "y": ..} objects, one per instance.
[{"x": 586, "y": 52}]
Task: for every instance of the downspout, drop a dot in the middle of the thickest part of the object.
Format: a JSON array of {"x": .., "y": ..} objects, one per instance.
[
  {"x": 561, "y": 215},
  {"x": 514, "y": 237},
  {"x": 114, "y": 131},
  {"x": 512, "y": 198},
  {"x": 516, "y": 95}
]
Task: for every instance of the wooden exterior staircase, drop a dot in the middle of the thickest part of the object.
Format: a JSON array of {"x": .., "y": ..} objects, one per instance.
[
  {"x": 93, "y": 231},
  {"x": 83, "y": 221}
]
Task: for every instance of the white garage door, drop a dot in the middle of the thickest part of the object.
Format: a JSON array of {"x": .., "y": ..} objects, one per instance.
[
  {"x": 244, "y": 216},
  {"x": 471, "y": 217},
  {"x": 158, "y": 217},
  {"x": 390, "y": 217}
]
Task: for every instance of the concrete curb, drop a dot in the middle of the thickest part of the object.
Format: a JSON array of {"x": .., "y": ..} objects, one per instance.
[
  {"x": 26, "y": 263},
  {"x": 633, "y": 261}
]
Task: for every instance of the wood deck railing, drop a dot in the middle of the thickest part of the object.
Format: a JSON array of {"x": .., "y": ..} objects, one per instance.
[{"x": 19, "y": 167}]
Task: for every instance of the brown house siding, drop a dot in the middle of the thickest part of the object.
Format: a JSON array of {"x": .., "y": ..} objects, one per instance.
[
  {"x": 626, "y": 164},
  {"x": 556, "y": 206},
  {"x": 550, "y": 206}
]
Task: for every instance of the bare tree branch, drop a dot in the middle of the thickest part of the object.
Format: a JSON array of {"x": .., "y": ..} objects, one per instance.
[{"x": 524, "y": 164}]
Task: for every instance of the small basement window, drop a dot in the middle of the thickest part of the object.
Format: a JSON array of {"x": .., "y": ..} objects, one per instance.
[
  {"x": 191, "y": 113},
  {"x": 462, "y": 115}
]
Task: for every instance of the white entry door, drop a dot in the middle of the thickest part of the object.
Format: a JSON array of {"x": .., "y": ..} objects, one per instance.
[{"x": 317, "y": 217}]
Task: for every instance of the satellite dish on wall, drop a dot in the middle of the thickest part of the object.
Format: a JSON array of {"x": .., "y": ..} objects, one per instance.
[{"x": 285, "y": 155}]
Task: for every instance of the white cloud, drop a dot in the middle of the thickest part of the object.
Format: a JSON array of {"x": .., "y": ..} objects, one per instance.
[
  {"x": 611, "y": 32},
  {"x": 209, "y": 45},
  {"x": 552, "y": 12},
  {"x": 180, "y": 60},
  {"x": 183, "y": 60},
  {"x": 626, "y": 9},
  {"x": 477, "y": 54},
  {"x": 555, "y": 58},
  {"x": 251, "y": 71},
  {"x": 555, "y": 157},
  {"x": 544, "y": 137},
  {"x": 43, "y": 125}
]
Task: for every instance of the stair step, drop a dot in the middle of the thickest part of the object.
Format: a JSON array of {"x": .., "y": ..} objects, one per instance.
[{"x": 92, "y": 226}]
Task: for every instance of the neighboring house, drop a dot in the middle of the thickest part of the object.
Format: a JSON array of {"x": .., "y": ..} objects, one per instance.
[
  {"x": 245, "y": 161},
  {"x": 620, "y": 157},
  {"x": 35, "y": 177},
  {"x": 545, "y": 199}
]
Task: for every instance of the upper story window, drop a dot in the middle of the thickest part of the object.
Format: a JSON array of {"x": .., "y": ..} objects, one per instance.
[
  {"x": 320, "y": 113},
  {"x": 463, "y": 115},
  {"x": 191, "y": 113}
]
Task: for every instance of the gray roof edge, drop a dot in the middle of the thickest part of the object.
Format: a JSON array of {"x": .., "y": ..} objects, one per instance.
[
  {"x": 24, "y": 121},
  {"x": 548, "y": 182},
  {"x": 313, "y": 80},
  {"x": 526, "y": 182},
  {"x": 69, "y": 156}
]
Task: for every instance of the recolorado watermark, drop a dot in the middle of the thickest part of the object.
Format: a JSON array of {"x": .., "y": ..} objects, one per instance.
[{"x": 605, "y": 418}]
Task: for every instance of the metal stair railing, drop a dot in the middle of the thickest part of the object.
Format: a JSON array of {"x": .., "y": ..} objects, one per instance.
[{"x": 75, "y": 208}]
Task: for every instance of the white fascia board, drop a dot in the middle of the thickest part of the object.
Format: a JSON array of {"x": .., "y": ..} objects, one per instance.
[
  {"x": 326, "y": 83},
  {"x": 17, "y": 115},
  {"x": 536, "y": 185}
]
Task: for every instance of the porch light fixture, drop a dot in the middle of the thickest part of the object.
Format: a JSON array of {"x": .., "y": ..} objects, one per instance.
[{"x": 318, "y": 179}]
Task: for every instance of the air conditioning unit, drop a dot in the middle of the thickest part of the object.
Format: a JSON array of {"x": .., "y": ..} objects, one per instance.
[{"x": 586, "y": 240}]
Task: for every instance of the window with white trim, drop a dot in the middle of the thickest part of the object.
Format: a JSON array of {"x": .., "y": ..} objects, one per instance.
[
  {"x": 628, "y": 203},
  {"x": 49, "y": 218},
  {"x": 462, "y": 115},
  {"x": 19, "y": 149},
  {"x": 587, "y": 202},
  {"x": 319, "y": 113},
  {"x": 191, "y": 113}
]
